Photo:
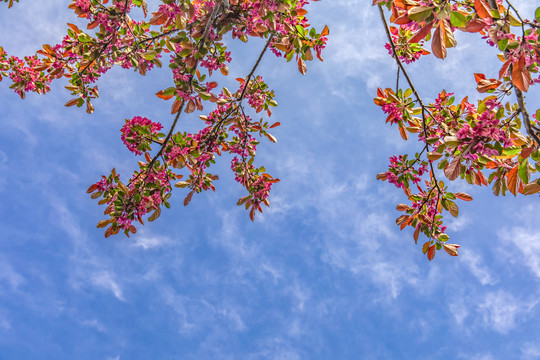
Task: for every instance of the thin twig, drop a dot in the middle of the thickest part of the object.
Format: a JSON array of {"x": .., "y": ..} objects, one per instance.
[{"x": 409, "y": 81}]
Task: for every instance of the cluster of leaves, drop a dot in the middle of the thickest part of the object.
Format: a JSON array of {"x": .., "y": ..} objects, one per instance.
[
  {"x": 491, "y": 143},
  {"x": 190, "y": 33}
]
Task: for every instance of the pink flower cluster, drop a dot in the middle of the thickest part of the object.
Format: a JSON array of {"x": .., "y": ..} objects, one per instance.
[
  {"x": 137, "y": 133},
  {"x": 26, "y": 78},
  {"x": 400, "y": 171}
]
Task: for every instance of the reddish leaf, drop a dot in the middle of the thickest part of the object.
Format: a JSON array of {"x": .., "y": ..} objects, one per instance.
[
  {"x": 109, "y": 231},
  {"x": 422, "y": 33},
  {"x": 92, "y": 188},
  {"x": 526, "y": 152},
  {"x": 431, "y": 252},
  {"x": 452, "y": 170},
  {"x": 438, "y": 42},
  {"x": 482, "y": 177},
  {"x": 504, "y": 69},
  {"x": 416, "y": 234},
  {"x": 475, "y": 25},
  {"x": 463, "y": 196},
  {"x": 187, "y": 200},
  {"x": 302, "y": 66},
  {"x": 190, "y": 107},
  {"x": 176, "y": 106}
]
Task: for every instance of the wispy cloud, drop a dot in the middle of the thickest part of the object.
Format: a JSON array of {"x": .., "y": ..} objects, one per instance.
[
  {"x": 526, "y": 247},
  {"x": 502, "y": 311},
  {"x": 9, "y": 275},
  {"x": 475, "y": 264}
]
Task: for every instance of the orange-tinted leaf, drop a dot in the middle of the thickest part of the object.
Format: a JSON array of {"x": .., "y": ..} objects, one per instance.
[
  {"x": 74, "y": 28},
  {"x": 438, "y": 42},
  {"x": 482, "y": 9},
  {"x": 482, "y": 178},
  {"x": 160, "y": 95},
  {"x": 431, "y": 252},
  {"x": 504, "y": 69},
  {"x": 72, "y": 102},
  {"x": 102, "y": 224},
  {"x": 402, "y": 207},
  {"x": 463, "y": 196},
  {"x": 531, "y": 188},
  {"x": 400, "y": 220},
  {"x": 513, "y": 181},
  {"x": 416, "y": 234},
  {"x": 451, "y": 249},
  {"x": 520, "y": 75},
  {"x": 485, "y": 85},
  {"x": 403, "y": 133},
  {"x": 325, "y": 31},
  {"x": 92, "y": 188}
]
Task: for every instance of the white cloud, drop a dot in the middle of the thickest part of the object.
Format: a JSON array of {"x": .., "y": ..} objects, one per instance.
[
  {"x": 501, "y": 311},
  {"x": 459, "y": 310},
  {"x": 530, "y": 351},
  {"x": 526, "y": 247},
  {"x": 149, "y": 241},
  {"x": 475, "y": 264},
  {"x": 95, "y": 324},
  {"x": 13, "y": 278},
  {"x": 106, "y": 281}
]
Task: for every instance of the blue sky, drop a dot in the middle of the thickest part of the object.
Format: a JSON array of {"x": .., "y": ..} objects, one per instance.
[{"x": 323, "y": 274}]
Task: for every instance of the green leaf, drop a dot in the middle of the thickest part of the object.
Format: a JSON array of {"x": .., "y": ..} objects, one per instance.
[
  {"x": 523, "y": 171},
  {"x": 84, "y": 38},
  {"x": 537, "y": 14},
  {"x": 420, "y": 13},
  {"x": 503, "y": 44},
  {"x": 149, "y": 55},
  {"x": 458, "y": 19}
]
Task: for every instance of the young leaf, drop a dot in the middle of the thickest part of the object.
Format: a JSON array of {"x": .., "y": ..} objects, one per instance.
[{"x": 452, "y": 170}]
